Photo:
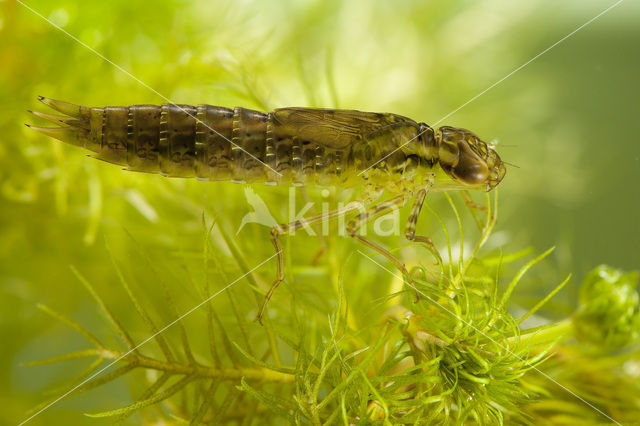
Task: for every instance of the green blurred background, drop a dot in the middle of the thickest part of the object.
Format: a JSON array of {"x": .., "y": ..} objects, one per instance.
[{"x": 568, "y": 120}]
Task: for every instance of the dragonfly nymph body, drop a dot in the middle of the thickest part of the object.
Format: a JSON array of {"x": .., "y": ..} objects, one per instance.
[{"x": 299, "y": 146}]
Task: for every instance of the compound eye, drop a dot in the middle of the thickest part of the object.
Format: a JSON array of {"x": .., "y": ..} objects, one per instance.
[{"x": 470, "y": 169}]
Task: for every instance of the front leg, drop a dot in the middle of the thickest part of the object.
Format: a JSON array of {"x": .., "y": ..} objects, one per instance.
[{"x": 410, "y": 231}]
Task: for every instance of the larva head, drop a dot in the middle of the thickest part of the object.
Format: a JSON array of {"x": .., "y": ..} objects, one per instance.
[{"x": 467, "y": 159}]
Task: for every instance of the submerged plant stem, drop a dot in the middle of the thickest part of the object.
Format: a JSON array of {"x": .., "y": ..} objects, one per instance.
[
  {"x": 200, "y": 371},
  {"x": 558, "y": 331}
]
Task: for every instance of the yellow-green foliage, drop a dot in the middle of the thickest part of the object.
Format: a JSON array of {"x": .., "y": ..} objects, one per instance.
[{"x": 120, "y": 256}]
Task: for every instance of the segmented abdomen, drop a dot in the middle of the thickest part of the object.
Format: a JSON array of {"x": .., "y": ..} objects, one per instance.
[
  {"x": 206, "y": 142},
  {"x": 203, "y": 141}
]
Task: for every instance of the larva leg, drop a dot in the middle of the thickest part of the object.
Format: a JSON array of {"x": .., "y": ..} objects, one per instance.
[
  {"x": 356, "y": 223},
  {"x": 469, "y": 202},
  {"x": 410, "y": 231},
  {"x": 284, "y": 229},
  {"x": 475, "y": 209}
]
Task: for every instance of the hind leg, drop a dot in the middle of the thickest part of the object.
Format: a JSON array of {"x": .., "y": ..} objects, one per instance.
[{"x": 285, "y": 229}]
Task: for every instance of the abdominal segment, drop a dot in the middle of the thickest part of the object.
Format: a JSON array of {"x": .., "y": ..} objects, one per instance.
[{"x": 204, "y": 141}]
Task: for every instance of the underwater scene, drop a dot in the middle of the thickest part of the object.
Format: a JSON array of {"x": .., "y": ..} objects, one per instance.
[{"x": 319, "y": 212}]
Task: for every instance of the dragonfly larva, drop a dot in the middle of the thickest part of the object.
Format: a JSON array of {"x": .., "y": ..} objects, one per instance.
[{"x": 300, "y": 146}]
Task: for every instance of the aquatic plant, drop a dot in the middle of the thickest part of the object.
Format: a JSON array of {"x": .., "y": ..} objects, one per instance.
[{"x": 455, "y": 355}]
